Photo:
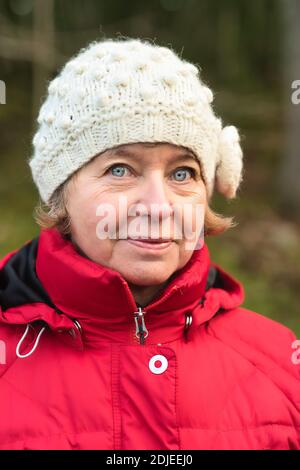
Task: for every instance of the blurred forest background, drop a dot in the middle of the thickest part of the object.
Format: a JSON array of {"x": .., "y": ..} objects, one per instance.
[{"x": 247, "y": 51}]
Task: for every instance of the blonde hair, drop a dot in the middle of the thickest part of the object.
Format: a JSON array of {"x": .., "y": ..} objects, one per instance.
[{"x": 55, "y": 214}]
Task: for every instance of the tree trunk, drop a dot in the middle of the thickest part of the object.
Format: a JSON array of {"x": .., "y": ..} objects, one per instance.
[
  {"x": 44, "y": 37},
  {"x": 289, "y": 175}
]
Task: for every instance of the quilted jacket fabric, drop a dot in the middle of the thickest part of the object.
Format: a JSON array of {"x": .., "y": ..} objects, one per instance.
[{"x": 84, "y": 367}]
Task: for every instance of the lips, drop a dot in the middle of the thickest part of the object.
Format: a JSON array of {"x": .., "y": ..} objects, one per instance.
[
  {"x": 151, "y": 245},
  {"x": 150, "y": 240}
]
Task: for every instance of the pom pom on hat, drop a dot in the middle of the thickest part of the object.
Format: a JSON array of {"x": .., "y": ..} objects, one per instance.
[{"x": 229, "y": 165}]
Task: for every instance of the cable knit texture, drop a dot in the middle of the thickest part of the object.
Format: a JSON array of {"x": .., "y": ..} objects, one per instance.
[{"x": 122, "y": 91}]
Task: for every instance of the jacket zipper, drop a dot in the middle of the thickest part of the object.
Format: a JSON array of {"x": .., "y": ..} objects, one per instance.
[{"x": 141, "y": 331}]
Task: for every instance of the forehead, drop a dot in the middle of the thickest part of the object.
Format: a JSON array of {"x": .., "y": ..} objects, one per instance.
[{"x": 164, "y": 149}]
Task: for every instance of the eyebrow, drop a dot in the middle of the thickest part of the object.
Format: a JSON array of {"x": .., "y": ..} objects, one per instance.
[{"x": 122, "y": 152}]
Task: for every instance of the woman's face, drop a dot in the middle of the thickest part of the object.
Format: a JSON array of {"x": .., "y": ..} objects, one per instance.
[{"x": 145, "y": 191}]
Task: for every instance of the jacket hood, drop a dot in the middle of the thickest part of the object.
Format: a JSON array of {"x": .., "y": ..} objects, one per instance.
[{"x": 48, "y": 281}]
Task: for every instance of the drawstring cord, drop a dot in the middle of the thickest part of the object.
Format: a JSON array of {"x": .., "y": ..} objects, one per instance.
[{"x": 21, "y": 356}]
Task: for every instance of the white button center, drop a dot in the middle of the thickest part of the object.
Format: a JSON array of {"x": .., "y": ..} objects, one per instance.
[{"x": 158, "y": 359}]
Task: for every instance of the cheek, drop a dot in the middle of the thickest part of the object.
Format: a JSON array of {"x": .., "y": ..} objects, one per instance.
[
  {"x": 81, "y": 208},
  {"x": 84, "y": 220},
  {"x": 201, "y": 196},
  {"x": 200, "y": 205},
  {"x": 94, "y": 213},
  {"x": 192, "y": 210}
]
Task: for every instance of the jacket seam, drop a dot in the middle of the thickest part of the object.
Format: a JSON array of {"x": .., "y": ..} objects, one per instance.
[
  {"x": 183, "y": 427},
  {"x": 115, "y": 398},
  {"x": 52, "y": 435},
  {"x": 243, "y": 429},
  {"x": 176, "y": 404}
]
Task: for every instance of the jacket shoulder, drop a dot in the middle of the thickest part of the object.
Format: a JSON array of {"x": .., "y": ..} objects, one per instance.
[
  {"x": 5, "y": 259},
  {"x": 257, "y": 336},
  {"x": 267, "y": 354},
  {"x": 9, "y": 255},
  {"x": 271, "y": 348}
]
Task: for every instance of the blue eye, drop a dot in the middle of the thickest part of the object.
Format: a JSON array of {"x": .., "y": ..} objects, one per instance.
[
  {"x": 182, "y": 173},
  {"x": 118, "y": 170}
]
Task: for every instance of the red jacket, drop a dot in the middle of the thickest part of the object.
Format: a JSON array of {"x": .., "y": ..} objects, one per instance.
[{"x": 204, "y": 373}]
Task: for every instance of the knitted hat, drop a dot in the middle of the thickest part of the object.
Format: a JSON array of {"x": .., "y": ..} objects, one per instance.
[{"x": 126, "y": 91}]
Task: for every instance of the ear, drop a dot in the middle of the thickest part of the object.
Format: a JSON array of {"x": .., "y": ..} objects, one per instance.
[{"x": 230, "y": 162}]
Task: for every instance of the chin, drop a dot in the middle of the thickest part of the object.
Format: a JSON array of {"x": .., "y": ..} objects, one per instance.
[{"x": 146, "y": 277}]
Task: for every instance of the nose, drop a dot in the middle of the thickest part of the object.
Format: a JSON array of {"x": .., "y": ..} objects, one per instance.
[{"x": 155, "y": 197}]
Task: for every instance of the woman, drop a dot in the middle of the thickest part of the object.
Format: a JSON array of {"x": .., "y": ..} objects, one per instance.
[{"x": 119, "y": 330}]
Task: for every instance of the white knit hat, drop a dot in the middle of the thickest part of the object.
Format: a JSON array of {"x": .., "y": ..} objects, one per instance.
[{"x": 126, "y": 91}]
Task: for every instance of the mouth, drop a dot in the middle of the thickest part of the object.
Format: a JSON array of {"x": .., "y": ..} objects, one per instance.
[
  {"x": 150, "y": 244},
  {"x": 152, "y": 240}
]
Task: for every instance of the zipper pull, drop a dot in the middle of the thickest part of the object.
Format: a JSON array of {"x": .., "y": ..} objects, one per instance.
[{"x": 141, "y": 331}]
